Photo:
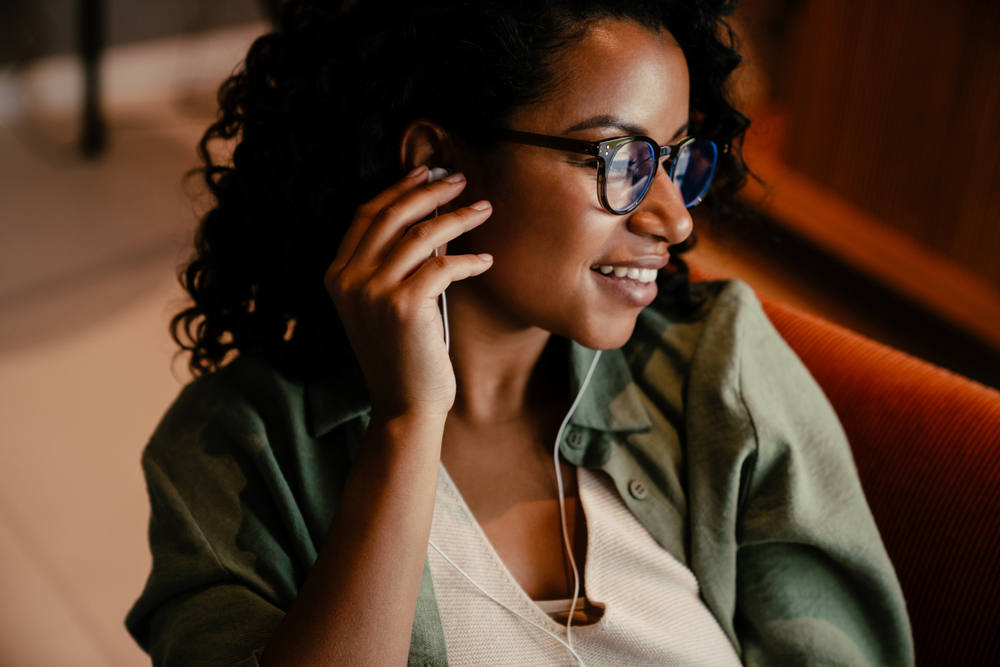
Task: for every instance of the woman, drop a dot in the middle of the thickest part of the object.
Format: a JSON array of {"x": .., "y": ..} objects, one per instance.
[{"x": 353, "y": 490}]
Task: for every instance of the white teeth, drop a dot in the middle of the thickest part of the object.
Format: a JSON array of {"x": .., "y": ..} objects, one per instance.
[{"x": 642, "y": 275}]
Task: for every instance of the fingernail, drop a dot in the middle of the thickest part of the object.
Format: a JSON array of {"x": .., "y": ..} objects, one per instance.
[
  {"x": 485, "y": 257},
  {"x": 417, "y": 170},
  {"x": 454, "y": 178},
  {"x": 481, "y": 205}
]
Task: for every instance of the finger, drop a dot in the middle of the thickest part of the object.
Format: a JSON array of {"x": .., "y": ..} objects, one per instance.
[
  {"x": 438, "y": 272},
  {"x": 420, "y": 240},
  {"x": 393, "y": 220},
  {"x": 366, "y": 213}
]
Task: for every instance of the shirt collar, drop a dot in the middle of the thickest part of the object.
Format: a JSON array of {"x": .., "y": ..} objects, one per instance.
[{"x": 610, "y": 403}]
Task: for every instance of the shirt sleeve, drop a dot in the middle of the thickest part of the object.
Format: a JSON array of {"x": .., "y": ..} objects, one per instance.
[
  {"x": 198, "y": 609},
  {"x": 814, "y": 584},
  {"x": 229, "y": 542}
]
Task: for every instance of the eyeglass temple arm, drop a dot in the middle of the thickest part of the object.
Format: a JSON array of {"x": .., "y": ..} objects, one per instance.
[
  {"x": 545, "y": 141},
  {"x": 673, "y": 151}
]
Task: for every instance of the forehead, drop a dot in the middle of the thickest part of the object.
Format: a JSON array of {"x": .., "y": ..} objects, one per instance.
[{"x": 619, "y": 69}]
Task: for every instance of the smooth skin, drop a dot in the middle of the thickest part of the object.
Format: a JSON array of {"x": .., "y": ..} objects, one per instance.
[{"x": 490, "y": 409}]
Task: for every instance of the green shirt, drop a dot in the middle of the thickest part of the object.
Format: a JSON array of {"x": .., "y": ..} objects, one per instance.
[{"x": 746, "y": 474}]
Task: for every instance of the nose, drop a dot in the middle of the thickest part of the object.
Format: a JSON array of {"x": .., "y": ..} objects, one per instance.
[{"x": 662, "y": 213}]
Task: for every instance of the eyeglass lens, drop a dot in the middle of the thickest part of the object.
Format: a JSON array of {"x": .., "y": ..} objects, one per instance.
[
  {"x": 630, "y": 168},
  {"x": 628, "y": 172},
  {"x": 693, "y": 170}
]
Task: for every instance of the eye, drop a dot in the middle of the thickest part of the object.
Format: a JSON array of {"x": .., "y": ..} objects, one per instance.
[{"x": 591, "y": 164}]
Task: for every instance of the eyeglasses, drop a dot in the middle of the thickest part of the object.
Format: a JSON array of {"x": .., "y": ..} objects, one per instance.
[{"x": 626, "y": 165}]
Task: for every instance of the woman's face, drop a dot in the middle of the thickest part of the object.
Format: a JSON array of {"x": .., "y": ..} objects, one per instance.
[{"x": 548, "y": 230}]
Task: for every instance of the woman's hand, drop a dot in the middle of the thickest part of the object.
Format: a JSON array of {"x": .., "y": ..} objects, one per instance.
[{"x": 385, "y": 284}]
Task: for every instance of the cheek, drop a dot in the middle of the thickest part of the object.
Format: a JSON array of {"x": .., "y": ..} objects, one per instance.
[
  {"x": 544, "y": 233},
  {"x": 537, "y": 208}
]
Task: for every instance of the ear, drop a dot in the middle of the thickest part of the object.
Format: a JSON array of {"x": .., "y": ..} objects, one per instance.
[{"x": 424, "y": 142}]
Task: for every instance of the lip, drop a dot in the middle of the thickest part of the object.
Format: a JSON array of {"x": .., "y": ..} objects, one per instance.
[{"x": 630, "y": 291}]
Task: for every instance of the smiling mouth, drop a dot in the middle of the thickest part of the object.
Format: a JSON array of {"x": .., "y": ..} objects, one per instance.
[{"x": 626, "y": 273}]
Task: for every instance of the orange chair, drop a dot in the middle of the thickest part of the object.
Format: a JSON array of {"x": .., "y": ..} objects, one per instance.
[{"x": 927, "y": 447}]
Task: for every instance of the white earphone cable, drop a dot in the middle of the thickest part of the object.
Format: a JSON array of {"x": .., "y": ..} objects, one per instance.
[
  {"x": 562, "y": 496},
  {"x": 568, "y": 643},
  {"x": 444, "y": 314},
  {"x": 559, "y": 639},
  {"x": 433, "y": 175}
]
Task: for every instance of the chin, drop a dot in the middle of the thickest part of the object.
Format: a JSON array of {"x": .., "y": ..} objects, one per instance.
[{"x": 606, "y": 337}]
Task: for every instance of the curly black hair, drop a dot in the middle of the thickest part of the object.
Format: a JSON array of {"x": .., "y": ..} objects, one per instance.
[{"x": 316, "y": 112}]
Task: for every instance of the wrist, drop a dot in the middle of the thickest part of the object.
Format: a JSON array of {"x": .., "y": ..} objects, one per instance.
[
  {"x": 410, "y": 427},
  {"x": 418, "y": 416}
]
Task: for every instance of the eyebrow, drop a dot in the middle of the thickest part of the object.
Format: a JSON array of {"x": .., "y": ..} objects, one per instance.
[{"x": 618, "y": 123}]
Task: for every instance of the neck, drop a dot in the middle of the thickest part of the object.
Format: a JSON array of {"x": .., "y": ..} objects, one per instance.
[{"x": 503, "y": 371}]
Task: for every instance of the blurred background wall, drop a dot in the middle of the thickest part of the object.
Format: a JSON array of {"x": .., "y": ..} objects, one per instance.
[
  {"x": 877, "y": 135},
  {"x": 876, "y": 128},
  {"x": 35, "y": 28},
  {"x": 903, "y": 118},
  {"x": 896, "y": 107},
  {"x": 89, "y": 248}
]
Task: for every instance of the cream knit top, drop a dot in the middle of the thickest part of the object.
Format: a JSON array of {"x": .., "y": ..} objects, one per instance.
[{"x": 653, "y": 614}]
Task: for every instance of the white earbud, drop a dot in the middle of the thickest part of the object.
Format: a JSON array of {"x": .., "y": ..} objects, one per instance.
[{"x": 437, "y": 173}]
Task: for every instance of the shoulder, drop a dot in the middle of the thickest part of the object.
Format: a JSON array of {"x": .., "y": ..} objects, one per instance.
[
  {"x": 725, "y": 335},
  {"x": 247, "y": 384},
  {"x": 239, "y": 435},
  {"x": 749, "y": 403},
  {"x": 725, "y": 310},
  {"x": 709, "y": 342},
  {"x": 248, "y": 436},
  {"x": 239, "y": 401},
  {"x": 740, "y": 382}
]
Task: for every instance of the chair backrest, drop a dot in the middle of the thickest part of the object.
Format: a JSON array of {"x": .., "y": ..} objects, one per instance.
[{"x": 927, "y": 447}]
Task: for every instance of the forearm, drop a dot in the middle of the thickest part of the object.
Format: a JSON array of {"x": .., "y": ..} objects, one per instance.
[{"x": 357, "y": 604}]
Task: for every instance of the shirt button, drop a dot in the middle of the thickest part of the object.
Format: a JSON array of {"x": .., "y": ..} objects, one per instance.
[
  {"x": 575, "y": 440},
  {"x": 638, "y": 489}
]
